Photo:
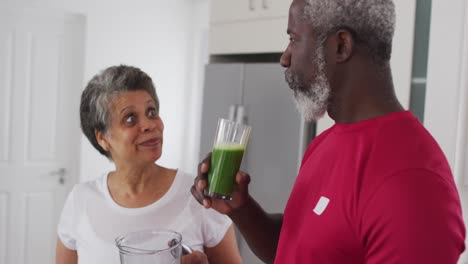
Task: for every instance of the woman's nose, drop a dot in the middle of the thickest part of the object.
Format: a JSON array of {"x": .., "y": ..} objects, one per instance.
[{"x": 148, "y": 125}]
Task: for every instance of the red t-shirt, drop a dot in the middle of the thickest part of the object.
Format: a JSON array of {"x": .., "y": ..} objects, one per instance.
[{"x": 378, "y": 191}]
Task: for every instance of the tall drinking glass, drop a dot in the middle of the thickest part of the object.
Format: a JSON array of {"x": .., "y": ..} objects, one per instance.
[{"x": 229, "y": 145}]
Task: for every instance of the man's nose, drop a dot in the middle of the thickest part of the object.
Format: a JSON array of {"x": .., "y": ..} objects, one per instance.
[{"x": 285, "y": 59}]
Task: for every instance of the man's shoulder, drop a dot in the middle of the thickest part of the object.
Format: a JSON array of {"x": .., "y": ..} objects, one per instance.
[{"x": 405, "y": 138}]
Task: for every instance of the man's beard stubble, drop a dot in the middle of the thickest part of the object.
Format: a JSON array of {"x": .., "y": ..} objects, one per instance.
[{"x": 311, "y": 98}]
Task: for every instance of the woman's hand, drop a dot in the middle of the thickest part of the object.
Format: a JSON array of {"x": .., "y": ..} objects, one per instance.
[{"x": 239, "y": 196}]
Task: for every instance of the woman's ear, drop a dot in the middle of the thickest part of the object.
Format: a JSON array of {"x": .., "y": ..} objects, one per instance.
[{"x": 101, "y": 140}]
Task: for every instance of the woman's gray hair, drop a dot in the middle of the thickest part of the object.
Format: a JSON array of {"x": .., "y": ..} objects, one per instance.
[
  {"x": 371, "y": 22},
  {"x": 96, "y": 99}
]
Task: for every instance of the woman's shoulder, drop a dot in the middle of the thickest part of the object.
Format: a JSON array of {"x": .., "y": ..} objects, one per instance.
[
  {"x": 184, "y": 180},
  {"x": 90, "y": 186}
]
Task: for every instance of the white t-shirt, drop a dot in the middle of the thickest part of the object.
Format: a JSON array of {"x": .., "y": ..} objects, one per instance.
[{"x": 91, "y": 220}]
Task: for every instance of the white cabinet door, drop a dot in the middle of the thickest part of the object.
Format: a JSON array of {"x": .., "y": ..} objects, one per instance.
[
  {"x": 228, "y": 11},
  {"x": 248, "y": 26},
  {"x": 41, "y": 73}
]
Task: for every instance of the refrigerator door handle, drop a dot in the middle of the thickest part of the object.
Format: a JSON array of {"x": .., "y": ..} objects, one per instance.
[
  {"x": 251, "y": 5},
  {"x": 237, "y": 114},
  {"x": 240, "y": 115},
  {"x": 232, "y": 112}
]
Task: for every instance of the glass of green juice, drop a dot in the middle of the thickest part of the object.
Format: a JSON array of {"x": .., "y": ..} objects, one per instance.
[{"x": 229, "y": 145}]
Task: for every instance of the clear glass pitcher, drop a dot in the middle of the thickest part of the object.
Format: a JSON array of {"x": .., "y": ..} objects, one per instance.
[{"x": 151, "y": 247}]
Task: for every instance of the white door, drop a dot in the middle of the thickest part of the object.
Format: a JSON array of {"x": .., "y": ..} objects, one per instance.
[{"x": 41, "y": 72}]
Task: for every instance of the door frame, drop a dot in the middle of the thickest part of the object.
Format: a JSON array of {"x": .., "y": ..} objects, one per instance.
[{"x": 446, "y": 105}]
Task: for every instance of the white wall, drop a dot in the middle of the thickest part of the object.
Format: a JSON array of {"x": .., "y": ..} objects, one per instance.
[
  {"x": 446, "y": 106},
  {"x": 166, "y": 40},
  {"x": 194, "y": 96}
]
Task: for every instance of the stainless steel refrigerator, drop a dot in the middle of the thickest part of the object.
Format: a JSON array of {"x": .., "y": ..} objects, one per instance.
[{"x": 257, "y": 94}]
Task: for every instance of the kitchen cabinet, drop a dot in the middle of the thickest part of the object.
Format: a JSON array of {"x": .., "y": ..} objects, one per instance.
[
  {"x": 236, "y": 25},
  {"x": 229, "y": 11}
]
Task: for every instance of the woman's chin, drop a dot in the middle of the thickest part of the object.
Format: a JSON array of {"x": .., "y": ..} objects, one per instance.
[{"x": 153, "y": 157}]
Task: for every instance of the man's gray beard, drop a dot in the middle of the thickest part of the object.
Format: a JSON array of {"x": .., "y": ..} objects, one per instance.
[{"x": 312, "y": 103}]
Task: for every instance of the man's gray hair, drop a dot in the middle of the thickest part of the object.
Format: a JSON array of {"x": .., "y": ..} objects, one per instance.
[
  {"x": 96, "y": 99},
  {"x": 371, "y": 22}
]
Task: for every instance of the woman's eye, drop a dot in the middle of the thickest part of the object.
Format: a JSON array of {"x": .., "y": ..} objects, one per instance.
[
  {"x": 152, "y": 113},
  {"x": 292, "y": 40},
  {"x": 130, "y": 119}
]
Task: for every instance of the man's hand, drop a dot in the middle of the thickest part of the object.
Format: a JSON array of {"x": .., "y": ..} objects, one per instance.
[
  {"x": 239, "y": 196},
  {"x": 196, "y": 257},
  {"x": 260, "y": 229}
]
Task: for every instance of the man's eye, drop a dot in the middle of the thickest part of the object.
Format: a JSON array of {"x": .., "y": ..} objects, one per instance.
[{"x": 292, "y": 40}]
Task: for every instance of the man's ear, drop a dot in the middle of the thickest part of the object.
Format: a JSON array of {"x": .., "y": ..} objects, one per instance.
[
  {"x": 344, "y": 45},
  {"x": 101, "y": 140}
]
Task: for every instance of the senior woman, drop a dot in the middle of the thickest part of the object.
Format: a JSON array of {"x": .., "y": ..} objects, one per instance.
[{"x": 120, "y": 116}]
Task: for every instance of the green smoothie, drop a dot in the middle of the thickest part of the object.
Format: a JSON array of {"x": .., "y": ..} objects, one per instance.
[{"x": 225, "y": 163}]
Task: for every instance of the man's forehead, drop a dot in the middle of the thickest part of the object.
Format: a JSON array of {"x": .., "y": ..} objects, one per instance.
[
  {"x": 296, "y": 14},
  {"x": 296, "y": 10}
]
